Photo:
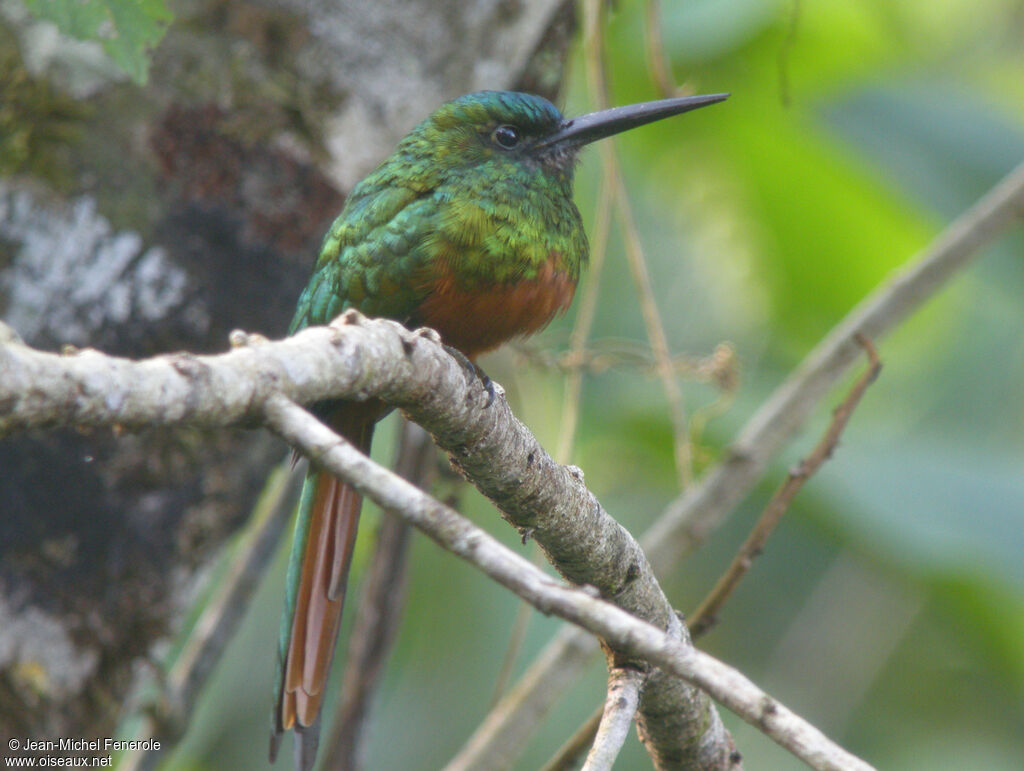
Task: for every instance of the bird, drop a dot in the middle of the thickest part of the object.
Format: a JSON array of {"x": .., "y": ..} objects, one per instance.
[{"x": 469, "y": 227}]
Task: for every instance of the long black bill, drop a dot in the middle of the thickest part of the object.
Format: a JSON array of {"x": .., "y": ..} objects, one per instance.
[{"x": 598, "y": 125}]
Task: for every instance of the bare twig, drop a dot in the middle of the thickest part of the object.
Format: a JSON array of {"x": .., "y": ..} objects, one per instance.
[
  {"x": 706, "y": 615},
  {"x": 505, "y": 729},
  {"x": 567, "y": 756},
  {"x": 619, "y": 707},
  {"x": 380, "y": 606},
  {"x": 718, "y": 368},
  {"x": 657, "y": 61},
  {"x": 658, "y": 338},
  {"x": 689, "y": 520},
  {"x": 516, "y": 638},
  {"x": 39, "y": 389},
  {"x": 379, "y": 358},
  {"x": 620, "y": 629},
  {"x": 596, "y": 78},
  {"x": 167, "y": 717}
]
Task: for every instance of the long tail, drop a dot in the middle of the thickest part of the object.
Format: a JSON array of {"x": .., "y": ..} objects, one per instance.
[{"x": 325, "y": 535}]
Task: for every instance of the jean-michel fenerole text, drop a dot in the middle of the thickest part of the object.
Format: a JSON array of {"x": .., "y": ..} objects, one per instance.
[{"x": 106, "y": 744}]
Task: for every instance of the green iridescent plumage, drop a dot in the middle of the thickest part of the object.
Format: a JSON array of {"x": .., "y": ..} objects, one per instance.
[
  {"x": 450, "y": 194},
  {"x": 469, "y": 227}
]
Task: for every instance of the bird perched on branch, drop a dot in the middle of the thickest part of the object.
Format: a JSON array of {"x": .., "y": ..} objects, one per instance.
[{"x": 469, "y": 227}]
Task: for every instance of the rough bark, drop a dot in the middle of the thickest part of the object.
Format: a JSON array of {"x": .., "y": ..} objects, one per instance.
[
  {"x": 357, "y": 358},
  {"x": 147, "y": 220}
]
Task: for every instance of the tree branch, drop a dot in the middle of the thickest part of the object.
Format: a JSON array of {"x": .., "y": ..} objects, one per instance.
[
  {"x": 706, "y": 616},
  {"x": 357, "y": 358},
  {"x": 701, "y": 509},
  {"x": 691, "y": 518},
  {"x": 618, "y": 628},
  {"x": 593, "y": 46},
  {"x": 382, "y": 359},
  {"x": 619, "y": 708},
  {"x": 107, "y": 540},
  {"x": 504, "y": 731},
  {"x": 568, "y": 754}
]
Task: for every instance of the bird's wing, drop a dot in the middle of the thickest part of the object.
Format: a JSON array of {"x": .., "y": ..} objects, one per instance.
[{"x": 371, "y": 258}]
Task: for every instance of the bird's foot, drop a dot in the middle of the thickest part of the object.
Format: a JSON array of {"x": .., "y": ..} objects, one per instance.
[
  {"x": 485, "y": 381},
  {"x": 474, "y": 368}
]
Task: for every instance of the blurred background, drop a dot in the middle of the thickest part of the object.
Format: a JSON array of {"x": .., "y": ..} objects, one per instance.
[{"x": 888, "y": 608}]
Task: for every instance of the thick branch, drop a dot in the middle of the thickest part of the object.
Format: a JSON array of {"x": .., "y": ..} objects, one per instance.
[
  {"x": 619, "y": 628},
  {"x": 693, "y": 516},
  {"x": 88, "y": 388},
  {"x": 357, "y": 358}
]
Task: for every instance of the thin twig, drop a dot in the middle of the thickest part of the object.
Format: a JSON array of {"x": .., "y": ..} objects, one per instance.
[
  {"x": 504, "y": 732},
  {"x": 706, "y": 615},
  {"x": 618, "y": 628},
  {"x": 688, "y": 521},
  {"x": 657, "y": 60},
  {"x": 597, "y": 81},
  {"x": 656, "y": 334},
  {"x": 167, "y": 718},
  {"x": 88, "y": 389},
  {"x": 567, "y": 756},
  {"x": 718, "y": 368},
  {"x": 380, "y": 607},
  {"x": 516, "y": 639},
  {"x": 617, "y": 716}
]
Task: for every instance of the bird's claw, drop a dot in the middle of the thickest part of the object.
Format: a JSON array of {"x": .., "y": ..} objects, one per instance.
[
  {"x": 488, "y": 386},
  {"x": 474, "y": 368}
]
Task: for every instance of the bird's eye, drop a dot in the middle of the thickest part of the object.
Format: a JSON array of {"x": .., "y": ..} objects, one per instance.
[{"x": 505, "y": 137}]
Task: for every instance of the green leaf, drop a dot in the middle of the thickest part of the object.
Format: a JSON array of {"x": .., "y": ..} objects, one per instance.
[{"x": 127, "y": 29}]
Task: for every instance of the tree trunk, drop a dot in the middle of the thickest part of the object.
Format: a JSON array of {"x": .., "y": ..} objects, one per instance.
[{"x": 144, "y": 220}]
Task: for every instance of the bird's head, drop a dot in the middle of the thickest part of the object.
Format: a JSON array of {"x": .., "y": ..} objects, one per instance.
[{"x": 503, "y": 131}]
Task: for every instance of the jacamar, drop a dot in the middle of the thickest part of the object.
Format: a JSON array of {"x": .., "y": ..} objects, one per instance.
[{"x": 469, "y": 227}]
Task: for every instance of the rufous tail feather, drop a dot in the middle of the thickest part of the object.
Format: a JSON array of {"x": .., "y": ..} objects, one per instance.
[{"x": 322, "y": 547}]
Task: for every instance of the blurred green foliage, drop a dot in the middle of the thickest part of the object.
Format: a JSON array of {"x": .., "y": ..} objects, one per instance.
[
  {"x": 889, "y": 607},
  {"x": 128, "y": 30}
]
